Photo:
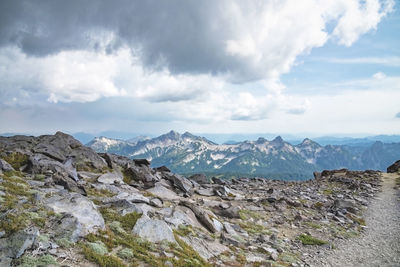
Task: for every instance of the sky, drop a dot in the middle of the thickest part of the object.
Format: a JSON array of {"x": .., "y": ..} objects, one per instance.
[{"x": 274, "y": 66}]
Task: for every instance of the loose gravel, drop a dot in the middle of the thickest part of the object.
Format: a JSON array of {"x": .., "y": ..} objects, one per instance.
[{"x": 379, "y": 244}]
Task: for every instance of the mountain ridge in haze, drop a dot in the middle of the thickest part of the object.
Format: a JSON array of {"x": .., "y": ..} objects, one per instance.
[{"x": 187, "y": 153}]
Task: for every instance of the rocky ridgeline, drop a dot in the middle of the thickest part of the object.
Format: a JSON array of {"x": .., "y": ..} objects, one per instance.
[{"x": 63, "y": 204}]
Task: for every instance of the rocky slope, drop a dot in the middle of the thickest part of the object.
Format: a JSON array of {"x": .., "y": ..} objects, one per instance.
[
  {"x": 63, "y": 204},
  {"x": 187, "y": 154}
]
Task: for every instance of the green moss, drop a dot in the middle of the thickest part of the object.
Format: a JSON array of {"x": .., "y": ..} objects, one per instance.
[
  {"x": 39, "y": 177},
  {"x": 30, "y": 261},
  {"x": 187, "y": 255},
  {"x": 102, "y": 260},
  {"x": 247, "y": 214},
  {"x": 313, "y": 225},
  {"x": 127, "y": 221},
  {"x": 327, "y": 192},
  {"x": 125, "y": 253},
  {"x": 64, "y": 242},
  {"x": 16, "y": 159},
  {"x": 184, "y": 230},
  {"x": 99, "y": 192},
  {"x": 12, "y": 223},
  {"x": 98, "y": 247},
  {"x": 310, "y": 240},
  {"x": 116, "y": 227},
  {"x": 253, "y": 228}
]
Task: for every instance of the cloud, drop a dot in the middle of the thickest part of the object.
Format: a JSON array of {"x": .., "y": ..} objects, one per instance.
[
  {"x": 249, "y": 40},
  {"x": 379, "y": 76},
  {"x": 385, "y": 61},
  {"x": 181, "y": 58},
  {"x": 398, "y": 115}
]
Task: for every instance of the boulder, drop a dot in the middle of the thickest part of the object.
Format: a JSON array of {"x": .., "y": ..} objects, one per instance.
[
  {"x": 208, "y": 192},
  {"x": 201, "y": 215},
  {"x": 14, "y": 246},
  {"x": 163, "y": 192},
  {"x": 153, "y": 230},
  {"x": 183, "y": 216},
  {"x": 219, "y": 181},
  {"x": 142, "y": 162},
  {"x": 231, "y": 212},
  {"x": 88, "y": 218},
  {"x": 395, "y": 167},
  {"x": 5, "y": 166},
  {"x": 199, "y": 178},
  {"x": 111, "y": 178},
  {"x": 206, "y": 249},
  {"x": 181, "y": 183}
]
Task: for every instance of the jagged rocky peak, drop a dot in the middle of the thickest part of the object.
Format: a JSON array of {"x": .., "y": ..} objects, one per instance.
[
  {"x": 309, "y": 142},
  {"x": 261, "y": 140},
  {"x": 172, "y": 135}
]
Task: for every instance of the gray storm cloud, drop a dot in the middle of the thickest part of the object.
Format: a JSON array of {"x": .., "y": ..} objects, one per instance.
[{"x": 248, "y": 40}]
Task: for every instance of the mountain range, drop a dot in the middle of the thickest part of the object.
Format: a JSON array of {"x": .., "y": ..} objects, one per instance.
[{"x": 187, "y": 154}]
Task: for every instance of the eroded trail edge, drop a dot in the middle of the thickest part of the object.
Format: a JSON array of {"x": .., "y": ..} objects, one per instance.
[{"x": 379, "y": 244}]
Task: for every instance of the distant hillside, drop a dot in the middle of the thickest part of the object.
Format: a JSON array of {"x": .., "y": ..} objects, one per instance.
[{"x": 187, "y": 153}]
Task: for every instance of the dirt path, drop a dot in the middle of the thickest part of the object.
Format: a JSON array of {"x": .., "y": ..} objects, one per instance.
[{"x": 379, "y": 244}]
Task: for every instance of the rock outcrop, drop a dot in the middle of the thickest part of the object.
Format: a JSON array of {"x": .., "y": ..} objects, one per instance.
[
  {"x": 56, "y": 193},
  {"x": 395, "y": 167}
]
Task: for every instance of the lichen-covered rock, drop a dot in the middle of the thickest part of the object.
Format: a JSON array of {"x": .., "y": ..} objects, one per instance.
[
  {"x": 88, "y": 218},
  {"x": 110, "y": 178},
  {"x": 153, "y": 230}
]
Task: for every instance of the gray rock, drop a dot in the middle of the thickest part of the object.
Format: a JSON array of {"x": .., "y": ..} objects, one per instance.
[
  {"x": 15, "y": 245},
  {"x": 153, "y": 230},
  {"x": 5, "y": 166},
  {"x": 201, "y": 215},
  {"x": 206, "y": 249},
  {"x": 183, "y": 216},
  {"x": 156, "y": 202},
  {"x": 395, "y": 167},
  {"x": 231, "y": 212},
  {"x": 88, "y": 218},
  {"x": 181, "y": 183},
  {"x": 199, "y": 178},
  {"x": 163, "y": 192},
  {"x": 111, "y": 178},
  {"x": 132, "y": 197},
  {"x": 208, "y": 192}
]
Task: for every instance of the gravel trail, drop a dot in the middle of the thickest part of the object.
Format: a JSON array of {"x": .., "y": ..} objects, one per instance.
[{"x": 379, "y": 244}]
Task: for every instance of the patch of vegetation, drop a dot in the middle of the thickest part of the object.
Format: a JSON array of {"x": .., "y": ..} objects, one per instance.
[
  {"x": 327, "y": 192},
  {"x": 64, "y": 242},
  {"x": 125, "y": 253},
  {"x": 102, "y": 260},
  {"x": 98, "y": 247},
  {"x": 288, "y": 257},
  {"x": 149, "y": 194},
  {"x": 184, "y": 230},
  {"x": 318, "y": 205},
  {"x": 99, "y": 192},
  {"x": 253, "y": 228},
  {"x": 356, "y": 219},
  {"x": 247, "y": 214},
  {"x": 313, "y": 225},
  {"x": 39, "y": 177},
  {"x": 127, "y": 221},
  {"x": 187, "y": 256},
  {"x": 16, "y": 159},
  {"x": 310, "y": 240},
  {"x": 30, "y": 261}
]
